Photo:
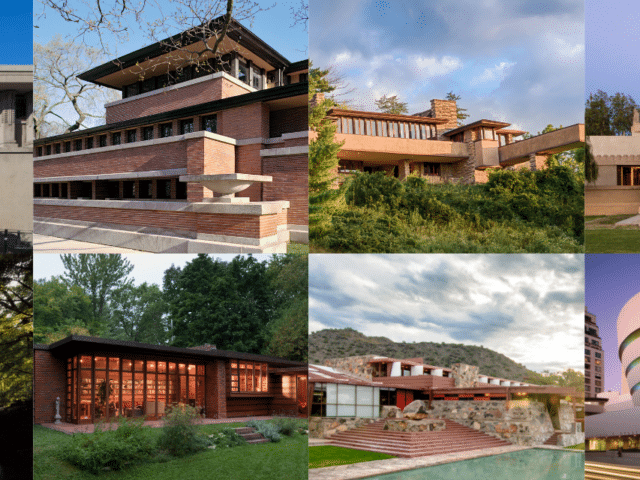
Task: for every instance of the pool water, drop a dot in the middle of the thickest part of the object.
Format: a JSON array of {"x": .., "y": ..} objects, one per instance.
[{"x": 532, "y": 464}]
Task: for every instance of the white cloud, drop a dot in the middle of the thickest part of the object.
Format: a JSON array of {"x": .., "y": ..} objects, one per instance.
[
  {"x": 496, "y": 73},
  {"x": 434, "y": 67}
]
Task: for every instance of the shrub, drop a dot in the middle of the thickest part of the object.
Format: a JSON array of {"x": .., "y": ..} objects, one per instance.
[
  {"x": 287, "y": 426},
  {"x": 268, "y": 430},
  {"x": 101, "y": 450},
  {"x": 226, "y": 438},
  {"x": 180, "y": 435}
]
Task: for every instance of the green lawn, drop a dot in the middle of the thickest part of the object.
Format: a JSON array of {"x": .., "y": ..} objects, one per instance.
[
  {"x": 298, "y": 248},
  {"x": 266, "y": 461},
  {"x": 328, "y": 456},
  {"x": 612, "y": 241},
  {"x": 580, "y": 446}
]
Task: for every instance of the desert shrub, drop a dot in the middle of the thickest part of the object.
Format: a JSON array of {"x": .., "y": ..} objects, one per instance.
[
  {"x": 113, "y": 450},
  {"x": 287, "y": 426},
  {"x": 268, "y": 430},
  {"x": 226, "y": 438},
  {"x": 366, "y": 190},
  {"x": 180, "y": 435}
]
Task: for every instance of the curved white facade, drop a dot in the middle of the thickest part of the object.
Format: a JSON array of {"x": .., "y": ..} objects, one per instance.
[{"x": 629, "y": 345}]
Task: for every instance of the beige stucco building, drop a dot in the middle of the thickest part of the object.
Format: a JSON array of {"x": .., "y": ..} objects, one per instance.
[
  {"x": 617, "y": 188},
  {"x": 16, "y": 147}
]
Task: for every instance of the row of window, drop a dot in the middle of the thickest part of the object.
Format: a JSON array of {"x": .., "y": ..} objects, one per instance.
[
  {"x": 115, "y": 189},
  {"x": 480, "y": 134},
  {"x": 384, "y": 128},
  {"x": 628, "y": 175},
  {"x": 208, "y": 124},
  {"x": 249, "y": 377}
]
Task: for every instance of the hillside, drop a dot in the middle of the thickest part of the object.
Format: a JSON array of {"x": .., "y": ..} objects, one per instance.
[{"x": 334, "y": 343}]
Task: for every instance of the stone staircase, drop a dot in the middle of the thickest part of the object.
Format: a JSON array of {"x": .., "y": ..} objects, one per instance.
[
  {"x": 553, "y": 439},
  {"x": 454, "y": 438},
  {"x": 250, "y": 435},
  {"x": 602, "y": 471}
]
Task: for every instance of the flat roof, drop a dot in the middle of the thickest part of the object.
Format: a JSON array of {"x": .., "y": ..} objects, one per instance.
[
  {"x": 79, "y": 344},
  {"x": 480, "y": 123},
  {"x": 343, "y": 112}
]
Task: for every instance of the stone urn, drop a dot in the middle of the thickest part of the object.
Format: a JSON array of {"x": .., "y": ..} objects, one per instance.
[{"x": 226, "y": 185}]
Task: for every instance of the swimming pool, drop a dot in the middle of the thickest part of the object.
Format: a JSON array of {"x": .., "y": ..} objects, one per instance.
[{"x": 532, "y": 464}]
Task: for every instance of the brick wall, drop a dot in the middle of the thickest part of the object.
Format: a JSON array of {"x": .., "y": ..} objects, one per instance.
[
  {"x": 49, "y": 376},
  {"x": 215, "y": 398},
  {"x": 290, "y": 182},
  {"x": 174, "y": 98},
  {"x": 248, "y": 121},
  {"x": 288, "y": 121}
]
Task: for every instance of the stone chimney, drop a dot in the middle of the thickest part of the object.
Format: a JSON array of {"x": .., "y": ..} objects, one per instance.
[
  {"x": 443, "y": 109},
  {"x": 465, "y": 375},
  {"x": 317, "y": 98},
  {"x": 635, "y": 125},
  {"x": 207, "y": 347}
]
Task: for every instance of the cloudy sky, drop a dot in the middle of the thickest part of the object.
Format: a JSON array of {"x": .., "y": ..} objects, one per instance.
[
  {"x": 610, "y": 282},
  {"x": 527, "y": 307},
  {"x": 613, "y": 46},
  {"x": 512, "y": 60}
]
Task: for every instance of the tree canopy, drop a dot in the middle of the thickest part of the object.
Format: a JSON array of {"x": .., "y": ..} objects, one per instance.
[
  {"x": 391, "y": 105},
  {"x": 460, "y": 112},
  {"x": 609, "y": 115}
]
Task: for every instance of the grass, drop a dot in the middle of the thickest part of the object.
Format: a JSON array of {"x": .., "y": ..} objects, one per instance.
[
  {"x": 580, "y": 446},
  {"x": 612, "y": 241},
  {"x": 266, "y": 461},
  {"x": 606, "y": 219},
  {"x": 328, "y": 456},
  {"x": 298, "y": 248}
]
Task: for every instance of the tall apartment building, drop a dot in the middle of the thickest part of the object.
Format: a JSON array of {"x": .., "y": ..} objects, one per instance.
[
  {"x": 189, "y": 132},
  {"x": 593, "y": 357}
]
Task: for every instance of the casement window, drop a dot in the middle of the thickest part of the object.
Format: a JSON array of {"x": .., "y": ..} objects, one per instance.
[
  {"x": 628, "y": 175},
  {"x": 147, "y": 133},
  {"x": 131, "y": 136},
  {"x": 432, "y": 169},
  {"x": 39, "y": 150},
  {"x": 243, "y": 72},
  {"x": 256, "y": 80},
  {"x": 166, "y": 130},
  {"x": 48, "y": 149},
  {"x": 102, "y": 140},
  {"x": 116, "y": 138},
  {"x": 77, "y": 145},
  {"x": 186, "y": 126},
  {"x": 89, "y": 143},
  {"x": 249, "y": 377},
  {"x": 67, "y": 147},
  {"x": 210, "y": 123},
  {"x": 57, "y": 148}
]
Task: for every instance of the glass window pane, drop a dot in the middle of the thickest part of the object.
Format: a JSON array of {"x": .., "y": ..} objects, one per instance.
[{"x": 138, "y": 365}]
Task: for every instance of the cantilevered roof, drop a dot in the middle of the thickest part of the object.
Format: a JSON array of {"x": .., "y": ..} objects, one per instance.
[
  {"x": 322, "y": 374},
  {"x": 238, "y": 34},
  {"x": 78, "y": 344},
  {"x": 479, "y": 123},
  {"x": 342, "y": 112}
]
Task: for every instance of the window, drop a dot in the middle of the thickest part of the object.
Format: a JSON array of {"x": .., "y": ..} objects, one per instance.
[
  {"x": 432, "y": 169},
  {"x": 598, "y": 355},
  {"x": 629, "y": 175},
  {"x": 166, "y": 130},
  {"x": 210, "y": 123},
  {"x": 250, "y": 377},
  {"x": 21, "y": 107},
  {"x": 116, "y": 138},
  {"x": 243, "y": 72},
  {"x": 67, "y": 147},
  {"x": 304, "y": 77},
  {"x": 256, "y": 81},
  {"x": 57, "y": 147},
  {"x": 131, "y": 90},
  {"x": 102, "y": 140},
  {"x": 186, "y": 126},
  {"x": 587, "y": 351},
  {"x": 89, "y": 143},
  {"x": 39, "y": 150},
  {"x": 147, "y": 133},
  {"x": 48, "y": 149},
  {"x": 131, "y": 136},
  {"x": 77, "y": 145},
  {"x": 148, "y": 85},
  {"x": 163, "y": 189}
]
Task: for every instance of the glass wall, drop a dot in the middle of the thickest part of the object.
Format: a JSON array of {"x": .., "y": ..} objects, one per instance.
[
  {"x": 107, "y": 387},
  {"x": 340, "y": 400}
]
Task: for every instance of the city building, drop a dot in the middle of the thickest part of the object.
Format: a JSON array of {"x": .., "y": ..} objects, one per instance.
[
  {"x": 187, "y": 135},
  {"x": 102, "y": 380},
  {"x": 593, "y": 357},
  {"x": 616, "y": 190},
  {"x": 432, "y": 145},
  {"x": 16, "y": 153},
  {"x": 618, "y": 427}
]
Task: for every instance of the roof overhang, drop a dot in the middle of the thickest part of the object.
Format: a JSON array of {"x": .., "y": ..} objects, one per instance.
[
  {"x": 16, "y": 77},
  {"x": 341, "y": 112},
  {"x": 479, "y": 123}
]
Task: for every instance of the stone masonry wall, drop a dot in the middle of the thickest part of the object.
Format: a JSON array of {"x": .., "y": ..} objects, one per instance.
[
  {"x": 523, "y": 424},
  {"x": 357, "y": 365},
  {"x": 465, "y": 375},
  {"x": 325, "y": 427}
]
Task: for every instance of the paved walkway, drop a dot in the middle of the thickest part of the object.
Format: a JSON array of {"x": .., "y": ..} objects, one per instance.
[
  {"x": 380, "y": 467},
  {"x": 45, "y": 244},
  {"x": 606, "y": 458},
  {"x": 630, "y": 221},
  {"x": 71, "y": 428}
]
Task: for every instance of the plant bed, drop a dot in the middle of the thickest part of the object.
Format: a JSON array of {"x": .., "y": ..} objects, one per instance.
[{"x": 329, "y": 456}]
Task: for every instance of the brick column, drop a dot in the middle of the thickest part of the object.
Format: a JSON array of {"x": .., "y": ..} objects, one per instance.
[
  {"x": 404, "y": 169},
  {"x": 216, "y": 390},
  {"x": 532, "y": 162}
]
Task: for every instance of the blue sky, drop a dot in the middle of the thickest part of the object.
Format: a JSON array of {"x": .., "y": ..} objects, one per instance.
[
  {"x": 527, "y": 307},
  {"x": 274, "y": 26},
  {"x": 17, "y": 33},
  {"x": 515, "y": 60},
  {"x": 613, "y": 47},
  {"x": 610, "y": 282}
]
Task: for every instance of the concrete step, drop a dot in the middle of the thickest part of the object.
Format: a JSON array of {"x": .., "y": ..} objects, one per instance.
[
  {"x": 599, "y": 471},
  {"x": 250, "y": 435}
]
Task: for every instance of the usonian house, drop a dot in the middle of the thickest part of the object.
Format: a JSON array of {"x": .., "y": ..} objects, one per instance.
[
  {"x": 162, "y": 174},
  {"x": 433, "y": 146},
  {"x": 103, "y": 380}
]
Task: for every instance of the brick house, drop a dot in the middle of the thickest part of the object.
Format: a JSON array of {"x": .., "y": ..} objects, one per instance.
[
  {"x": 98, "y": 379},
  {"x": 432, "y": 145},
  {"x": 143, "y": 179}
]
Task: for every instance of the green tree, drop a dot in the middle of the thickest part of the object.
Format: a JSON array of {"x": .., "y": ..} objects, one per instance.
[
  {"x": 609, "y": 115},
  {"x": 16, "y": 328},
  {"x": 323, "y": 149},
  {"x": 460, "y": 112},
  {"x": 139, "y": 314},
  {"x": 98, "y": 276},
  {"x": 590, "y": 165},
  {"x": 391, "y": 105}
]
